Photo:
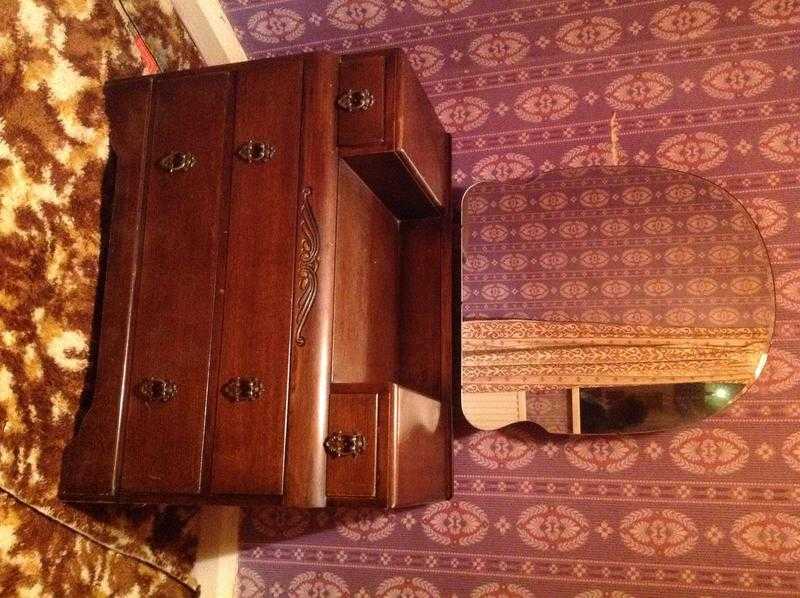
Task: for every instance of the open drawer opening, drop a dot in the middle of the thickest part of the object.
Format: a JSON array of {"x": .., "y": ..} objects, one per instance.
[{"x": 391, "y": 320}]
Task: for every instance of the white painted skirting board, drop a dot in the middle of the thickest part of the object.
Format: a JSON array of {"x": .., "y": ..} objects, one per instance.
[
  {"x": 217, "y": 551},
  {"x": 210, "y": 30}
]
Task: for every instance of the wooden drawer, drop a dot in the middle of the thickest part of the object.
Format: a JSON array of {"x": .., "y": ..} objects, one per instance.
[
  {"x": 390, "y": 135},
  {"x": 396, "y": 445},
  {"x": 175, "y": 301},
  {"x": 213, "y": 365},
  {"x": 352, "y": 417},
  {"x": 419, "y": 451},
  {"x": 249, "y": 435}
]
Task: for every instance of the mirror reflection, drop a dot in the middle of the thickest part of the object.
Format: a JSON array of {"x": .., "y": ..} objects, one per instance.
[{"x": 609, "y": 300}]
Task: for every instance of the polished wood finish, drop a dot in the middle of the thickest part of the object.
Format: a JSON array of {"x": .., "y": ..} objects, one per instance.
[
  {"x": 365, "y": 127},
  {"x": 421, "y": 140},
  {"x": 249, "y": 436},
  {"x": 397, "y": 145},
  {"x": 353, "y": 477},
  {"x": 331, "y": 290},
  {"x": 406, "y": 459},
  {"x": 128, "y": 109},
  {"x": 310, "y": 371},
  {"x": 424, "y": 251},
  {"x": 428, "y": 362},
  {"x": 174, "y": 310},
  {"x": 419, "y": 458},
  {"x": 365, "y": 319},
  {"x": 392, "y": 322}
]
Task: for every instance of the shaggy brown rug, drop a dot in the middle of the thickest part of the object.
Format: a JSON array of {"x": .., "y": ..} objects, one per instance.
[{"x": 54, "y": 57}]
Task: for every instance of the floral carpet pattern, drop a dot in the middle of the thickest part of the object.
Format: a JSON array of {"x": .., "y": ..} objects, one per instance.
[
  {"x": 54, "y": 58},
  {"x": 713, "y": 510}
]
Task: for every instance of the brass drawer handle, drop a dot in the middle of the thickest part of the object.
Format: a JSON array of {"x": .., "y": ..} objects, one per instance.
[
  {"x": 178, "y": 161},
  {"x": 158, "y": 389},
  {"x": 340, "y": 444},
  {"x": 356, "y": 100},
  {"x": 243, "y": 388},
  {"x": 255, "y": 151}
]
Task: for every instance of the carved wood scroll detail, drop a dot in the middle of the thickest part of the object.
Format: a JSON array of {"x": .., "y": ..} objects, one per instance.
[{"x": 307, "y": 264}]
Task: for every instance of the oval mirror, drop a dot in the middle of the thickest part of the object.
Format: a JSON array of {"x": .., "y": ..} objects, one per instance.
[{"x": 608, "y": 300}]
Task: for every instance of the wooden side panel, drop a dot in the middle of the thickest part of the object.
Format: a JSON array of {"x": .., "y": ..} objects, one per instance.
[
  {"x": 426, "y": 337},
  {"x": 420, "y": 449},
  {"x": 354, "y": 476},
  {"x": 312, "y": 307},
  {"x": 249, "y": 435},
  {"x": 420, "y": 343},
  {"x": 365, "y": 319},
  {"x": 364, "y": 127},
  {"x": 422, "y": 138},
  {"x": 90, "y": 460},
  {"x": 177, "y": 286},
  {"x": 451, "y": 329}
]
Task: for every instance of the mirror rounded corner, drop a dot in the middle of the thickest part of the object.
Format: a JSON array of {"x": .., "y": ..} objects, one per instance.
[{"x": 610, "y": 300}]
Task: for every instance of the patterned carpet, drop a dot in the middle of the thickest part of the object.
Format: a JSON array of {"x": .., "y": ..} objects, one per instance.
[
  {"x": 524, "y": 87},
  {"x": 54, "y": 58}
]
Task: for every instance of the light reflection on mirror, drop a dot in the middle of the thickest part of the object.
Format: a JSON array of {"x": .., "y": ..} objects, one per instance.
[{"x": 609, "y": 300}]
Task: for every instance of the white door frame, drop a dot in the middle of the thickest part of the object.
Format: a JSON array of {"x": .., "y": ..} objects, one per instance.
[{"x": 209, "y": 28}]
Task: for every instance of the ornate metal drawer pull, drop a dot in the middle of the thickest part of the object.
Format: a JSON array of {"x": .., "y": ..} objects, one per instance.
[
  {"x": 340, "y": 444},
  {"x": 158, "y": 389},
  {"x": 243, "y": 389},
  {"x": 178, "y": 161},
  {"x": 355, "y": 100},
  {"x": 255, "y": 151}
]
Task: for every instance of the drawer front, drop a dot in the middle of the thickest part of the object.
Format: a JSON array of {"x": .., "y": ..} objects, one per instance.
[
  {"x": 396, "y": 145},
  {"x": 250, "y": 433},
  {"x": 367, "y": 126},
  {"x": 174, "y": 305},
  {"x": 352, "y": 476}
]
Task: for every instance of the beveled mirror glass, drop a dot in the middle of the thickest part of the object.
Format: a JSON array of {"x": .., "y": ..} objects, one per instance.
[{"x": 609, "y": 300}]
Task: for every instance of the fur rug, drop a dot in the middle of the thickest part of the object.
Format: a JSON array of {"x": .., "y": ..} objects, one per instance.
[{"x": 54, "y": 57}]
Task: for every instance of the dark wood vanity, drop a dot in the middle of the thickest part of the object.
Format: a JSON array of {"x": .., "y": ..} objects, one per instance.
[{"x": 277, "y": 314}]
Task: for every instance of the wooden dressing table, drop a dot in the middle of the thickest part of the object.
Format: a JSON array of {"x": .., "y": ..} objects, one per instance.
[{"x": 277, "y": 312}]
